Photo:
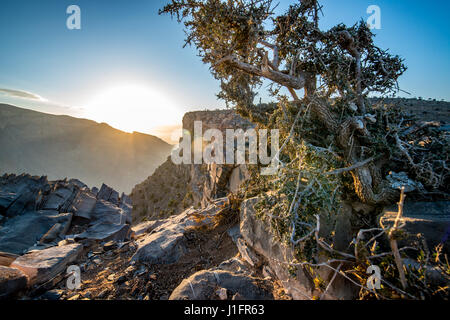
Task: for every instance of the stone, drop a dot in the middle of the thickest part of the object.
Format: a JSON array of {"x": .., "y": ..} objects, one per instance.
[
  {"x": 20, "y": 194},
  {"x": 121, "y": 279},
  {"x": 58, "y": 199},
  {"x": 108, "y": 194},
  {"x": 52, "y": 295},
  {"x": 431, "y": 219},
  {"x": 247, "y": 254},
  {"x": 166, "y": 243},
  {"x": 203, "y": 284},
  {"x": 94, "y": 191},
  {"x": 84, "y": 204},
  {"x": 259, "y": 238},
  {"x": 110, "y": 245},
  {"x": 107, "y": 212},
  {"x": 106, "y": 232},
  {"x": 7, "y": 258},
  {"x": 146, "y": 227},
  {"x": 11, "y": 282},
  {"x": 234, "y": 265},
  {"x": 222, "y": 293},
  {"x": 55, "y": 232},
  {"x": 46, "y": 264},
  {"x": 22, "y": 232},
  {"x": 238, "y": 176}
]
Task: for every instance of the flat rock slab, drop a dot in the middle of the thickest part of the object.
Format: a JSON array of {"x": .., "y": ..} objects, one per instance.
[
  {"x": 107, "y": 212},
  {"x": 106, "y": 232},
  {"x": 42, "y": 266},
  {"x": 203, "y": 285},
  {"x": 7, "y": 258},
  {"x": 165, "y": 243},
  {"x": 432, "y": 219},
  {"x": 20, "y": 233},
  {"x": 11, "y": 281},
  {"x": 146, "y": 227}
]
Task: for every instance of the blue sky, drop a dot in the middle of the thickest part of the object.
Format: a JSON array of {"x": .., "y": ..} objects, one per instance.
[{"x": 124, "y": 42}]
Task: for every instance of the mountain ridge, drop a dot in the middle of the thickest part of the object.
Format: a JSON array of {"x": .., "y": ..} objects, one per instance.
[{"x": 64, "y": 146}]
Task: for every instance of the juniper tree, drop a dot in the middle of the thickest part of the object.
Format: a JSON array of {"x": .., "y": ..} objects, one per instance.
[{"x": 340, "y": 145}]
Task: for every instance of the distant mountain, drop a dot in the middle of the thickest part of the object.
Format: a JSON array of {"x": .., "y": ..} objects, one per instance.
[{"x": 62, "y": 146}]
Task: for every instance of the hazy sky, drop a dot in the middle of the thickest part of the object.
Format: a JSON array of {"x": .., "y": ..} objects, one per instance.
[{"x": 124, "y": 46}]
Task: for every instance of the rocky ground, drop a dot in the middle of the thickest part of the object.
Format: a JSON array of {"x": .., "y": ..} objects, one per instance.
[{"x": 197, "y": 254}]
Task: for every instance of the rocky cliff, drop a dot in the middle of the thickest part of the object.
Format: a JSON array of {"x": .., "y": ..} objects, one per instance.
[{"x": 173, "y": 188}]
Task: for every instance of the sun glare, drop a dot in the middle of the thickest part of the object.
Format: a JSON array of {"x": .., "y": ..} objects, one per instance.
[{"x": 133, "y": 108}]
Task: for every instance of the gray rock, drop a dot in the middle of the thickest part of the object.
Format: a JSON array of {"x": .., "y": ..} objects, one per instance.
[
  {"x": 20, "y": 194},
  {"x": 146, "y": 227},
  {"x": 11, "y": 281},
  {"x": 203, "y": 285},
  {"x": 165, "y": 244},
  {"x": 55, "y": 233},
  {"x": 44, "y": 265},
  {"x": 246, "y": 253},
  {"x": 21, "y": 232},
  {"x": 57, "y": 199},
  {"x": 106, "y": 232},
  {"x": 84, "y": 204},
  {"x": 431, "y": 219},
  {"x": 94, "y": 191},
  {"x": 107, "y": 212},
  {"x": 238, "y": 176},
  {"x": 108, "y": 194},
  {"x": 52, "y": 295},
  {"x": 234, "y": 265}
]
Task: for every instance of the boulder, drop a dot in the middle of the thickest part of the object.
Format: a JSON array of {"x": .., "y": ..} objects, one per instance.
[
  {"x": 11, "y": 281},
  {"x": 42, "y": 266},
  {"x": 94, "y": 191},
  {"x": 7, "y": 258},
  {"x": 146, "y": 227},
  {"x": 108, "y": 194},
  {"x": 20, "y": 194},
  {"x": 107, "y": 212},
  {"x": 84, "y": 204},
  {"x": 203, "y": 286},
  {"x": 106, "y": 232},
  {"x": 238, "y": 176},
  {"x": 259, "y": 238},
  {"x": 58, "y": 199},
  {"x": 21, "y": 232},
  {"x": 431, "y": 219},
  {"x": 165, "y": 244},
  {"x": 246, "y": 253},
  {"x": 55, "y": 233}
]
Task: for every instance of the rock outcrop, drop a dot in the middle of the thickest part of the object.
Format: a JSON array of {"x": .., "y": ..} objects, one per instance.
[
  {"x": 173, "y": 188},
  {"x": 47, "y": 225}
]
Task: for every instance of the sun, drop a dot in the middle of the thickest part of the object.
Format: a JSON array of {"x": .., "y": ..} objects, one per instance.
[{"x": 133, "y": 107}]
